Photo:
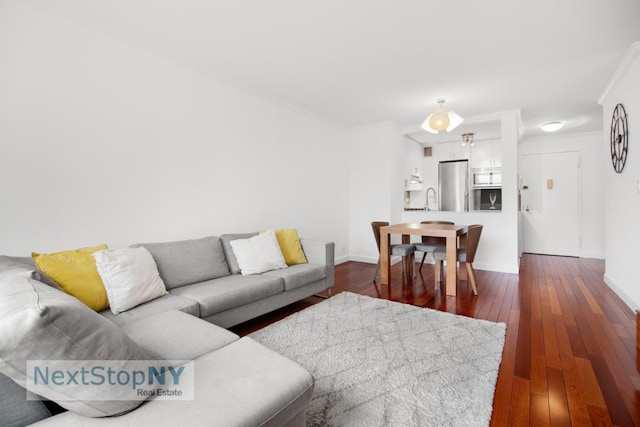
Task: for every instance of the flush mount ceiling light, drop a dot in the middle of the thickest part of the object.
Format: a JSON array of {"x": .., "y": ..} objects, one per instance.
[
  {"x": 467, "y": 138},
  {"x": 441, "y": 119},
  {"x": 551, "y": 126}
]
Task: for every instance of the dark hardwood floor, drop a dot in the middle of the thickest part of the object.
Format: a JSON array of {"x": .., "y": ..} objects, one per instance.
[{"x": 570, "y": 349}]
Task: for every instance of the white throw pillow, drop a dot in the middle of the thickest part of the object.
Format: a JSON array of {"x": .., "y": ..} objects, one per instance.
[
  {"x": 130, "y": 276},
  {"x": 258, "y": 254}
]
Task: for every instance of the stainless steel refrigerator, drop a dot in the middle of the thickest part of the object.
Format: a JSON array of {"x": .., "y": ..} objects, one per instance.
[{"x": 453, "y": 184}]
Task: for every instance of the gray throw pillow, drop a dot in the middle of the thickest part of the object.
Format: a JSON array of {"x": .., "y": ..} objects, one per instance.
[
  {"x": 25, "y": 267},
  {"x": 10, "y": 266},
  {"x": 40, "y": 323},
  {"x": 188, "y": 261}
]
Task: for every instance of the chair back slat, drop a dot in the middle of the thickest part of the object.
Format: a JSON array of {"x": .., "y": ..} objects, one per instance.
[
  {"x": 376, "y": 225},
  {"x": 473, "y": 237}
]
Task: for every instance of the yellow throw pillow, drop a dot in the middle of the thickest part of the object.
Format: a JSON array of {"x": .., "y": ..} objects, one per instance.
[
  {"x": 76, "y": 273},
  {"x": 290, "y": 246}
]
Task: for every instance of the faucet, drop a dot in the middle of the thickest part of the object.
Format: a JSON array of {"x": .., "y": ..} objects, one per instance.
[{"x": 434, "y": 196}]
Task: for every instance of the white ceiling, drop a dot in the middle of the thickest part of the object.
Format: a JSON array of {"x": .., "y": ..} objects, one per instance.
[{"x": 359, "y": 62}]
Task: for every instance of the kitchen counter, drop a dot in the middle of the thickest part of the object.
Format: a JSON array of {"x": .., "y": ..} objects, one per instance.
[
  {"x": 496, "y": 243},
  {"x": 476, "y": 210}
]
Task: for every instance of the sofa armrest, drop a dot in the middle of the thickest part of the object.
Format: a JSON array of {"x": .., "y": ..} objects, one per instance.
[
  {"x": 321, "y": 252},
  {"x": 318, "y": 251}
]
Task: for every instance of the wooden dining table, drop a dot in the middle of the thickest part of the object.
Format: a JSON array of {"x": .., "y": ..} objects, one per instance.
[{"x": 448, "y": 231}]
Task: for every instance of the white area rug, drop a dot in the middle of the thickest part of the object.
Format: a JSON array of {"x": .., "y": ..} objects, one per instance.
[{"x": 382, "y": 363}]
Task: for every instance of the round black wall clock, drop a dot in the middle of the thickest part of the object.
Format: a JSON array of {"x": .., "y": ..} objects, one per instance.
[{"x": 619, "y": 138}]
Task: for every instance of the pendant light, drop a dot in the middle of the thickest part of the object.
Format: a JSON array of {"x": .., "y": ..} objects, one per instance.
[
  {"x": 441, "y": 119},
  {"x": 467, "y": 138}
]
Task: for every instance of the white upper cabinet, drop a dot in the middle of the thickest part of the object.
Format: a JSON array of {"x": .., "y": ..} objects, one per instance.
[
  {"x": 486, "y": 154},
  {"x": 451, "y": 151}
]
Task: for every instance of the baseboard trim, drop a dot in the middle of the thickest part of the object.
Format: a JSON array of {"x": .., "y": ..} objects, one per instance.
[
  {"x": 341, "y": 260},
  {"x": 623, "y": 296},
  {"x": 500, "y": 268},
  {"x": 370, "y": 260},
  {"x": 594, "y": 255}
]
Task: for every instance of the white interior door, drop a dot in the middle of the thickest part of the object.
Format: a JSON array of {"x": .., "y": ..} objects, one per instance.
[{"x": 551, "y": 203}]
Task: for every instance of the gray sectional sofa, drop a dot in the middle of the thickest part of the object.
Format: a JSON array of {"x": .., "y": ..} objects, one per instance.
[{"x": 238, "y": 382}]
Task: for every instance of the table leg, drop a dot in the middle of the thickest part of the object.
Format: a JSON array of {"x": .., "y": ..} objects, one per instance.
[
  {"x": 385, "y": 262},
  {"x": 452, "y": 252}
]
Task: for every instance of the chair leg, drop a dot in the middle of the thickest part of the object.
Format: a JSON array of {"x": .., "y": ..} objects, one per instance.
[
  {"x": 375, "y": 275},
  {"x": 438, "y": 274},
  {"x": 424, "y": 255},
  {"x": 405, "y": 277},
  {"x": 414, "y": 272},
  {"x": 472, "y": 277}
]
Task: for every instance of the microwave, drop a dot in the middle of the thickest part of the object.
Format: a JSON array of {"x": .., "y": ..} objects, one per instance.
[{"x": 486, "y": 177}]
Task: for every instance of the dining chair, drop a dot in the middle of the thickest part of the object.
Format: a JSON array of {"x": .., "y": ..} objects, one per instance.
[
  {"x": 466, "y": 255},
  {"x": 406, "y": 251},
  {"x": 430, "y": 244}
]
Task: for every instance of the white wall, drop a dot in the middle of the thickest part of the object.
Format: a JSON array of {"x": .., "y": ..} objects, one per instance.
[
  {"x": 101, "y": 141},
  {"x": 622, "y": 191},
  {"x": 589, "y": 147},
  {"x": 376, "y": 183}
]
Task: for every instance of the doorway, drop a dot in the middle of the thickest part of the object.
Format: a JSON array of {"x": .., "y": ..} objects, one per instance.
[{"x": 551, "y": 203}]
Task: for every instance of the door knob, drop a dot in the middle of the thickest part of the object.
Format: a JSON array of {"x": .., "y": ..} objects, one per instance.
[
  {"x": 526, "y": 208},
  {"x": 525, "y": 187}
]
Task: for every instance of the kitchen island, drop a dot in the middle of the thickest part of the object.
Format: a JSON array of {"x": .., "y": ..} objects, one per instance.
[{"x": 497, "y": 246}]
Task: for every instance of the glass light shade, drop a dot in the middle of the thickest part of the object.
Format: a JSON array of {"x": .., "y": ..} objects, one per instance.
[
  {"x": 455, "y": 121},
  {"x": 552, "y": 126},
  {"x": 467, "y": 138},
  {"x": 439, "y": 120},
  {"x": 425, "y": 125}
]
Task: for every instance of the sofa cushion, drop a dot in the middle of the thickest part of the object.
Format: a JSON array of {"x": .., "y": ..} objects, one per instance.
[
  {"x": 257, "y": 387},
  {"x": 164, "y": 334},
  {"x": 19, "y": 407},
  {"x": 258, "y": 254},
  {"x": 241, "y": 384},
  {"x": 188, "y": 261},
  {"x": 151, "y": 308},
  {"x": 299, "y": 275},
  {"x": 41, "y": 323},
  {"x": 234, "y": 268},
  {"x": 229, "y": 292},
  {"x": 130, "y": 277},
  {"x": 75, "y": 272}
]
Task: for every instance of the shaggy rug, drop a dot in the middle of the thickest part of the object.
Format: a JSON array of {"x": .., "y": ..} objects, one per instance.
[{"x": 383, "y": 363}]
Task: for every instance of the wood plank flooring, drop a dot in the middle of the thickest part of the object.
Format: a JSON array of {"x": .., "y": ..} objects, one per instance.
[{"x": 570, "y": 349}]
